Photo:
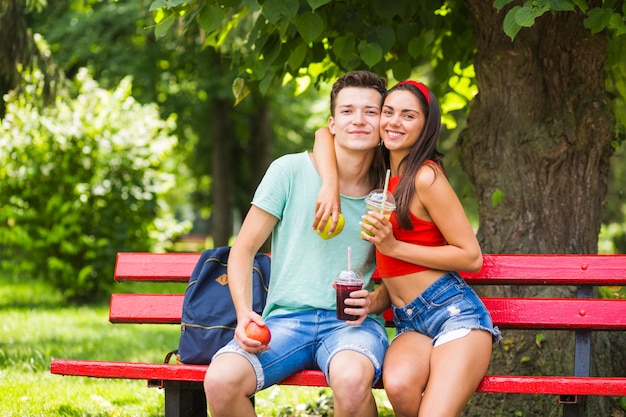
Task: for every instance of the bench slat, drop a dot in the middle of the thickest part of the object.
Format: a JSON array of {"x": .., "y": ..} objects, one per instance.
[
  {"x": 557, "y": 313},
  {"x": 146, "y": 308},
  {"x": 558, "y": 385},
  {"x": 497, "y": 269},
  {"x": 158, "y": 267},
  {"x": 543, "y": 313},
  {"x": 492, "y": 383},
  {"x": 550, "y": 270}
]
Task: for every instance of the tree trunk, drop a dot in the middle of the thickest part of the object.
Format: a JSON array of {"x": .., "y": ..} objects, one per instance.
[
  {"x": 223, "y": 136},
  {"x": 539, "y": 134},
  {"x": 13, "y": 47},
  {"x": 17, "y": 48},
  {"x": 537, "y": 151},
  {"x": 260, "y": 148},
  {"x": 260, "y": 141},
  {"x": 238, "y": 165},
  {"x": 253, "y": 155}
]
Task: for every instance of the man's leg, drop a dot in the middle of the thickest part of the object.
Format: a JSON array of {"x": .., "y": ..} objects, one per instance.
[
  {"x": 351, "y": 376},
  {"x": 228, "y": 384},
  {"x": 352, "y": 357},
  {"x": 234, "y": 374}
]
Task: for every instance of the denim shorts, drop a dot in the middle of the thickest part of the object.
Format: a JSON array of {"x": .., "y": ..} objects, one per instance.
[
  {"x": 448, "y": 305},
  {"x": 309, "y": 339}
]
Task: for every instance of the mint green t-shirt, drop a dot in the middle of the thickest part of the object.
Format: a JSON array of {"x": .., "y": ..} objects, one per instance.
[{"x": 303, "y": 264}]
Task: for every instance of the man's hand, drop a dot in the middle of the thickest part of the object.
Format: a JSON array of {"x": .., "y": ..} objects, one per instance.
[
  {"x": 360, "y": 304},
  {"x": 366, "y": 302},
  {"x": 246, "y": 343}
]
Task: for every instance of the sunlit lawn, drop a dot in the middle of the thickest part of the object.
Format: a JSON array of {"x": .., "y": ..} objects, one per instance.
[{"x": 36, "y": 326}]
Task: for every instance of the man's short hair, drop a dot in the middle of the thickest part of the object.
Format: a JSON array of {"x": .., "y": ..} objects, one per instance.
[{"x": 361, "y": 79}]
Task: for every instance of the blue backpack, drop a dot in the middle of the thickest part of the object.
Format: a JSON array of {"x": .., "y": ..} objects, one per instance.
[{"x": 208, "y": 319}]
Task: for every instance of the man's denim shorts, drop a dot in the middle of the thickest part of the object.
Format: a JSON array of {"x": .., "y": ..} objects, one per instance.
[
  {"x": 448, "y": 305},
  {"x": 308, "y": 340}
]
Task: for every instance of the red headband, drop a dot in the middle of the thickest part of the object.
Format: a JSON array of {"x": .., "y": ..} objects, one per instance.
[{"x": 419, "y": 86}]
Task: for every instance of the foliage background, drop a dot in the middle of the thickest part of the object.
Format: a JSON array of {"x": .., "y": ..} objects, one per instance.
[
  {"x": 186, "y": 75},
  {"x": 192, "y": 61},
  {"x": 82, "y": 179}
]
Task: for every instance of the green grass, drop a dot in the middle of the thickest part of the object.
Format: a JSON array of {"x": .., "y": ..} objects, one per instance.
[{"x": 37, "y": 326}]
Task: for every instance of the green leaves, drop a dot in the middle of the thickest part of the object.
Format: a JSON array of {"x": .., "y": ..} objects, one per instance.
[
  {"x": 310, "y": 26},
  {"x": 317, "y": 3},
  {"x": 598, "y": 18},
  {"x": 211, "y": 18},
  {"x": 497, "y": 196},
  {"x": 240, "y": 90},
  {"x": 168, "y": 4},
  {"x": 315, "y": 36},
  {"x": 370, "y": 53},
  {"x": 522, "y": 16},
  {"x": 296, "y": 58},
  {"x": 275, "y": 9},
  {"x": 525, "y": 16}
]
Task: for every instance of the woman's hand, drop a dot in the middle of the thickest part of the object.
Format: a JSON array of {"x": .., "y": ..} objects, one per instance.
[
  {"x": 380, "y": 231},
  {"x": 327, "y": 206}
]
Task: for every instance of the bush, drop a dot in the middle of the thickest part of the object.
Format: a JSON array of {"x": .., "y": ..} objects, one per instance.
[{"x": 81, "y": 180}]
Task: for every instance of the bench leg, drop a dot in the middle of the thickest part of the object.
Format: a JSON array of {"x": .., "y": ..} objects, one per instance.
[
  {"x": 184, "y": 399},
  {"x": 576, "y": 406},
  {"x": 578, "y": 409}
]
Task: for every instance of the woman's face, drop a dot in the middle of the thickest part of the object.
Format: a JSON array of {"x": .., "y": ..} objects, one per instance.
[{"x": 401, "y": 121}]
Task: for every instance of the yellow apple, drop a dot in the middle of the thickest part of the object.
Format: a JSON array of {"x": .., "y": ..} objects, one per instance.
[{"x": 324, "y": 232}]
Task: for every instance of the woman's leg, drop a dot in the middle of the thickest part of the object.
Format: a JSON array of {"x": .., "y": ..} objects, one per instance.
[
  {"x": 456, "y": 369},
  {"x": 405, "y": 372}
]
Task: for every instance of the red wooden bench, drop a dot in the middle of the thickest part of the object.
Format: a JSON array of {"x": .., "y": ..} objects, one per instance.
[{"x": 583, "y": 314}]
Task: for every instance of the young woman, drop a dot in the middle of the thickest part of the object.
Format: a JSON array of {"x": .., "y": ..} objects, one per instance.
[{"x": 444, "y": 332}]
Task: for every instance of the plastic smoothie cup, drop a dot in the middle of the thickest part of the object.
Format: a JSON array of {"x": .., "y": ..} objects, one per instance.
[
  {"x": 346, "y": 282},
  {"x": 375, "y": 202}
]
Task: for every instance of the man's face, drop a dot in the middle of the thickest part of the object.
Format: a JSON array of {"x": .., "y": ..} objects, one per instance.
[{"x": 356, "y": 119}]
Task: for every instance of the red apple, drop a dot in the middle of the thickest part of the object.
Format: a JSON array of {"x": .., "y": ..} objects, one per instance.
[{"x": 260, "y": 333}]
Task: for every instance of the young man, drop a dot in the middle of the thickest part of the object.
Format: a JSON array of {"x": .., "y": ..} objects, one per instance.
[{"x": 300, "y": 310}]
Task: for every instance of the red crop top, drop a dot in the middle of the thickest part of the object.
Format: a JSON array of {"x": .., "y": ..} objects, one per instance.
[{"x": 424, "y": 233}]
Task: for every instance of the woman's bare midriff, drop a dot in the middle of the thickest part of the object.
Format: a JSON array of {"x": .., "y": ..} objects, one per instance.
[{"x": 405, "y": 288}]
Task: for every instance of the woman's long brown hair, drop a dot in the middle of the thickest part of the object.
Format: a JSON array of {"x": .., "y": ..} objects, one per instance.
[{"x": 425, "y": 149}]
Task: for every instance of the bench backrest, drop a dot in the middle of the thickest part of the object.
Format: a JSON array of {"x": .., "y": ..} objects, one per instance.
[{"x": 582, "y": 271}]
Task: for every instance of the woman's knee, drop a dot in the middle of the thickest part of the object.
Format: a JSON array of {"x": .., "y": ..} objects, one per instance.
[
  {"x": 401, "y": 384},
  {"x": 405, "y": 376}
]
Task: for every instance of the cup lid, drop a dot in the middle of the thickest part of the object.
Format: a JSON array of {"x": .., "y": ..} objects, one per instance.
[
  {"x": 353, "y": 275},
  {"x": 376, "y": 197}
]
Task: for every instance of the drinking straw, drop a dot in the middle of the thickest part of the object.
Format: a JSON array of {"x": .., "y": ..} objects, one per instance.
[
  {"x": 349, "y": 258},
  {"x": 382, "y": 206}
]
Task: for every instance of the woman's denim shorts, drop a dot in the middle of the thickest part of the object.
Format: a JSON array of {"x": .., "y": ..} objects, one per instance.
[{"x": 448, "y": 305}]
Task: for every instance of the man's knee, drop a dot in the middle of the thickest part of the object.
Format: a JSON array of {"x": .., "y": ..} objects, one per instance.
[
  {"x": 229, "y": 376},
  {"x": 352, "y": 373},
  {"x": 352, "y": 389}
]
